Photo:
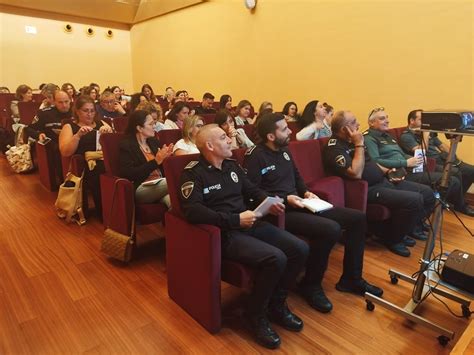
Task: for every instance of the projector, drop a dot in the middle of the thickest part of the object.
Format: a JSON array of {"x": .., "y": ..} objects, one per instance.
[
  {"x": 458, "y": 270},
  {"x": 448, "y": 121}
]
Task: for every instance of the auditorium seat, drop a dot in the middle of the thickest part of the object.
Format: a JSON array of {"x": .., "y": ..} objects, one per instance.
[
  {"x": 27, "y": 111},
  {"x": 208, "y": 118},
  {"x": 45, "y": 158},
  {"x": 168, "y": 136},
  {"x": 294, "y": 128}
]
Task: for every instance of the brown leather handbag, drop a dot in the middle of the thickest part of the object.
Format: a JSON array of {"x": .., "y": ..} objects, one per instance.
[{"x": 117, "y": 245}]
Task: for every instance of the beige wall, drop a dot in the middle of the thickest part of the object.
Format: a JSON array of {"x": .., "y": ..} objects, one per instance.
[
  {"x": 352, "y": 54},
  {"x": 55, "y": 56}
]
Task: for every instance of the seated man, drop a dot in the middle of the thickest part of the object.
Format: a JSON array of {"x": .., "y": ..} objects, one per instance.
[
  {"x": 214, "y": 191},
  {"x": 206, "y": 105},
  {"x": 109, "y": 107},
  {"x": 411, "y": 139},
  {"x": 345, "y": 156},
  {"x": 384, "y": 149},
  {"x": 271, "y": 167}
]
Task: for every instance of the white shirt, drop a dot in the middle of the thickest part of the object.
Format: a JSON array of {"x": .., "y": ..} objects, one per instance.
[
  {"x": 170, "y": 125},
  {"x": 189, "y": 148}
]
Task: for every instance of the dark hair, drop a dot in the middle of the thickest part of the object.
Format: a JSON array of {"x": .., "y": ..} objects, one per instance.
[
  {"x": 412, "y": 114},
  {"x": 135, "y": 100},
  {"x": 221, "y": 117},
  {"x": 267, "y": 124},
  {"x": 136, "y": 118},
  {"x": 21, "y": 90},
  {"x": 287, "y": 106},
  {"x": 147, "y": 86},
  {"x": 113, "y": 88},
  {"x": 264, "y": 112},
  {"x": 88, "y": 89},
  {"x": 242, "y": 104},
  {"x": 42, "y": 85},
  {"x": 328, "y": 107},
  {"x": 81, "y": 101},
  {"x": 308, "y": 114},
  {"x": 208, "y": 96},
  {"x": 179, "y": 92},
  {"x": 223, "y": 100},
  {"x": 64, "y": 88},
  {"x": 177, "y": 109}
]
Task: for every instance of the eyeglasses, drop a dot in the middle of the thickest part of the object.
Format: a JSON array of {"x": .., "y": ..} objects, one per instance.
[
  {"x": 110, "y": 102},
  {"x": 375, "y": 110},
  {"x": 92, "y": 111}
]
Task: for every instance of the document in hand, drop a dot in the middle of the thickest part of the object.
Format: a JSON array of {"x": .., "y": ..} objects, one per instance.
[
  {"x": 152, "y": 182},
  {"x": 264, "y": 208},
  {"x": 316, "y": 204}
]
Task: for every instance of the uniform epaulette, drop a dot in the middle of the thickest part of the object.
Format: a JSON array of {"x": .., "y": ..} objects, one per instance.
[
  {"x": 191, "y": 164},
  {"x": 332, "y": 142},
  {"x": 47, "y": 108},
  {"x": 365, "y": 133},
  {"x": 250, "y": 150}
]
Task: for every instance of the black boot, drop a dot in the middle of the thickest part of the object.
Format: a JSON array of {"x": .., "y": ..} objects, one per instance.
[
  {"x": 279, "y": 313},
  {"x": 262, "y": 331}
]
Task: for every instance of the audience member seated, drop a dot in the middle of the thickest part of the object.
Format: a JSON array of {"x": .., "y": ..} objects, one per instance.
[
  {"x": 276, "y": 255},
  {"x": 243, "y": 113},
  {"x": 187, "y": 144},
  {"x": 180, "y": 96},
  {"x": 225, "y": 103},
  {"x": 108, "y": 106},
  {"x": 23, "y": 94},
  {"x": 96, "y": 87},
  {"x": 411, "y": 139},
  {"x": 119, "y": 96},
  {"x": 156, "y": 113},
  {"x": 81, "y": 137},
  {"x": 177, "y": 115},
  {"x": 140, "y": 159},
  {"x": 290, "y": 110},
  {"x": 329, "y": 113},
  {"x": 70, "y": 90},
  {"x": 384, "y": 149},
  {"x": 238, "y": 136},
  {"x": 168, "y": 96},
  {"x": 408, "y": 202},
  {"x": 206, "y": 105},
  {"x": 48, "y": 91},
  {"x": 271, "y": 167},
  {"x": 312, "y": 122},
  {"x": 147, "y": 91},
  {"x": 262, "y": 113},
  {"x": 92, "y": 92},
  {"x": 265, "y": 106},
  {"x": 4, "y": 90},
  {"x": 137, "y": 99}
]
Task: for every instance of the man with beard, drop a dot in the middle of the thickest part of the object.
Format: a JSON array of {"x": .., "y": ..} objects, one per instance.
[{"x": 271, "y": 167}]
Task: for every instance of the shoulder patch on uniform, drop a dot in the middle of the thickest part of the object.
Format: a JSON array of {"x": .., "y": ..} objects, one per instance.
[
  {"x": 332, "y": 141},
  {"x": 187, "y": 189},
  {"x": 47, "y": 108},
  {"x": 365, "y": 133},
  {"x": 250, "y": 150},
  {"x": 341, "y": 160},
  {"x": 191, "y": 164}
]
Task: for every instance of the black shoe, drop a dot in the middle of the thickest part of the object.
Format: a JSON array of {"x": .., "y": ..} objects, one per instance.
[
  {"x": 426, "y": 227},
  {"x": 399, "y": 249},
  {"x": 468, "y": 211},
  {"x": 317, "y": 299},
  {"x": 281, "y": 315},
  {"x": 409, "y": 242},
  {"x": 419, "y": 235},
  {"x": 263, "y": 332},
  {"x": 359, "y": 287}
]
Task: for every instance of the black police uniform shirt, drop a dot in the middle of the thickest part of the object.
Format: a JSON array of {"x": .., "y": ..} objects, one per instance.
[
  {"x": 274, "y": 171},
  {"x": 338, "y": 155},
  {"x": 199, "y": 110},
  {"x": 48, "y": 121},
  {"x": 216, "y": 196}
]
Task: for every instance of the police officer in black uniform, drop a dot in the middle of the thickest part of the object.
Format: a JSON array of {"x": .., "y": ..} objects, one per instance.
[
  {"x": 214, "y": 190},
  {"x": 270, "y": 166},
  {"x": 345, "y": 155}
]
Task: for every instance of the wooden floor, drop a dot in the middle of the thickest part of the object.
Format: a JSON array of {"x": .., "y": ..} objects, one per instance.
[{"x": 59, "y": 294}]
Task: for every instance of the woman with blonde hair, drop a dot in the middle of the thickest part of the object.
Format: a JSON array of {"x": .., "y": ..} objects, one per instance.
[{"x": 187, "y": 144}]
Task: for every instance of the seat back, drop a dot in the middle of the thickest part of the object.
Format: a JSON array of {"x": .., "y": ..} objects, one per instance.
[
  {"x": 174, "y": 167},
  {"x": 308, "y": 160},
  {"x": 238, "y": 154},
  {"x": 168, "y": 136},
  {"x": 110, "y": 147},
  {"x": 121, "y": 124},
  {"x": 250, "y": 131},
  {"x": 396, "y": 133},
  {"x": 208, "y": 118},
  {"x": 28, "y": 111},
  {"x": 295, "y": 128}
]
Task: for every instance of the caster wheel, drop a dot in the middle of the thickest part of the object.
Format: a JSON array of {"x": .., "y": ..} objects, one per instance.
[
  {"x": 370, "y": 306},
  {"x": 466, "y": 312},
  {"x": 443, "y": 340},
  {"x": 393, "y": 280}
]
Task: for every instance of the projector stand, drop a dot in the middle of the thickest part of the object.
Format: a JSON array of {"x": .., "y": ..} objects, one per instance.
[{"x": 421, "y": 285}]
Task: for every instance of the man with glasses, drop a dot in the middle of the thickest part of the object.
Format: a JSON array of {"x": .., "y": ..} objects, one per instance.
[
  {"x": 384, "y": 149},
  {"x": 345, "y": 156},
  {"x": 109, "y": 106}
]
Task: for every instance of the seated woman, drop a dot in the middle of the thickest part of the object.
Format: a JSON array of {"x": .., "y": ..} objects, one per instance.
[
  {"x": 177, "y": 115},
  {"x": 23, "y": 94},
  {"x": 156, "y": 113},
  {"x": 187, "y": 144},
  {"x": 312, "y": 122},
  {"x": 265, "y": 106},
  {"x": 92, "y": 92},
  {"x": 48, "y": 91},
  {"x": 118, "y": 96},
  {"x": 243, "y": 113},
  {"x": 81, "y": 137},
  {"x": 238, "y": 136},
  {"x": 225, "y": 103},
  {"x": 70, "y": 90},
  {"x": 290, "y": 110},
  {"x": 147, "y": 91},
  {"x": 140, "y": 159}
]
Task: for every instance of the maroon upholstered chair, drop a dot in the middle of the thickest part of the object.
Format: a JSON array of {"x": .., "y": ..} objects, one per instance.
[
  {"x": 125, "y": 193},
  {"x": 5, "y": 112},
  {"x": 193, "y": 258},
  {"x": 28, "y": 111},
  {"x": 250, "y": 131},
  {"x": 208, "y": 118},
  {"x": 396, "y": 132},
  {"x": 46, "y": 158},
  {"x": 294, "y": 128},
  {"x": 168, "y": 136}
]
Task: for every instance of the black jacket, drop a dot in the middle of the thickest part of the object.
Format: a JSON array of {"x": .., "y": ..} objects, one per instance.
[{"x": 133, "y": 165}]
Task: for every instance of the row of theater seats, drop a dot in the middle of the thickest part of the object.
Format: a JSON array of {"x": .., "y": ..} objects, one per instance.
[{"x": 27, "y": 109}]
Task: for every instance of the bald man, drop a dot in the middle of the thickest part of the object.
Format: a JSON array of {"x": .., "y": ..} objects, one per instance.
[{"x": 216, "y": 191}]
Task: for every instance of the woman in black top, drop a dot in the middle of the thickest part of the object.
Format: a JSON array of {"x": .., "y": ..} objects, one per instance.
[
  {"x": 141, "y": 159},
  {"x": 81, "y": 136}
]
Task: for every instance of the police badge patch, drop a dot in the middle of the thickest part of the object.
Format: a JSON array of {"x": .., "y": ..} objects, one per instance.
[
  {"x": 341, "y": 161},
  {"x": 286, "y": 156},
  {"x": 187, "y": 189},
  {"x": 332, "y": 142},
  {"x": 234, "y": 177}
]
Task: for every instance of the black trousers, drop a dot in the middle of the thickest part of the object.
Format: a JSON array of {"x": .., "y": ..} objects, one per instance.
[
  {"x": 454, "y": 193},
  {"x": 464, "y": 172},
  {"x": 324, "y": 230},
  {"x": 409, "y": 203},
  {"x": 276, "y": 255}
]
